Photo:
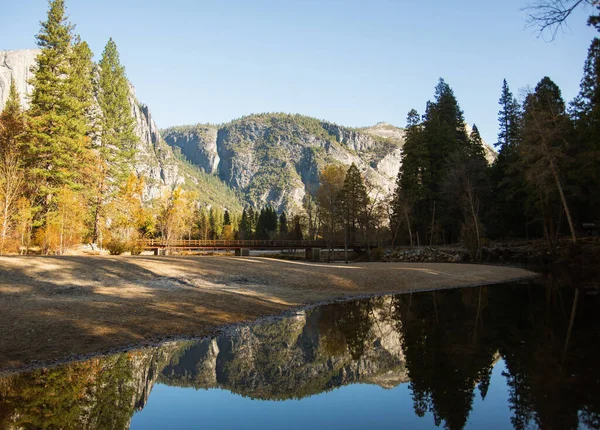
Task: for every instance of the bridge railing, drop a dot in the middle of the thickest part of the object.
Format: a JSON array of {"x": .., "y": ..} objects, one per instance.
[{"x": 288, "y": 244}]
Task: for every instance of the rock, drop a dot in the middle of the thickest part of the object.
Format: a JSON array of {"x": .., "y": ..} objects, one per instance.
[
  {"x": 276, "y": 158},
  {"x": 154, "y": 160},
  {"x": 16, "y": 65}
]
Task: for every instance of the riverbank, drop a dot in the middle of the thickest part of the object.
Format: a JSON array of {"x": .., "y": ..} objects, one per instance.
[{"x": 53, "y": 308}]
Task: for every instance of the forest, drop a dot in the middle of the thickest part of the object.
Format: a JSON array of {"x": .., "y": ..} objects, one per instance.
[{"x": 66, "y": 175}]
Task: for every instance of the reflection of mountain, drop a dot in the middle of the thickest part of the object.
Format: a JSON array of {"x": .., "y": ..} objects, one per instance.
[
  {"x": 295, "y": 357},
  {"x": 289, "y": 358},
  {"x": 446, "y": 342}
]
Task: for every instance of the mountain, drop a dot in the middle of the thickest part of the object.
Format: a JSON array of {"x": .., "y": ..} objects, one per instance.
[{"x": 275, "y": 158}]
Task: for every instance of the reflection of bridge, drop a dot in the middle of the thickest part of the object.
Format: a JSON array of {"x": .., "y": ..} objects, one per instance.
[{"x": 243, "y": 247}]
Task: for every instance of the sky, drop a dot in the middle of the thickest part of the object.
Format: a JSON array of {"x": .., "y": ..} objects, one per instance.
[{"x": 354, "y": 63}]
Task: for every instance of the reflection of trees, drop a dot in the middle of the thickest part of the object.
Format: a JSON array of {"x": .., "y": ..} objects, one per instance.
[
  {"x": 552, "y": 375},
  {"x": 346, "y": 325},
  {"x": 548, "y": 337},
  {"x": 447, "y": 351},
  {"x": 91, "y": 394}
]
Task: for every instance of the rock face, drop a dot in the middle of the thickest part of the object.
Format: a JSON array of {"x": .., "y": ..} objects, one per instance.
[
  {"x": 16, "y": 65},
  {"x": 154, "y": 159},
  {"x": 276, "y": 158}
]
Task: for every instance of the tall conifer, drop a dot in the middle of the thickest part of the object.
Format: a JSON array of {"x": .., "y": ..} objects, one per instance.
[
  {"x": 118, "y": 138},
  {"x": 585, "y": 110},
  {"x": 508, "y": 119},
  {"x": 59, "y": 104}
]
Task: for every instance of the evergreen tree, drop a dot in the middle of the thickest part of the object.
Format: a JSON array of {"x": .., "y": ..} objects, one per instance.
[
  {"x": 409, "y": 199},
  {"x": 226, "y": 218},
  {"x": 585, "y": 110},
  {"x": 58, "y": 145},
  {"x": 476, "y": 149},
  {"x": 509, "y": 217},
  {"x": 245, "y": 227},
  {"x": 508, "y": 119},
  {"x": 283, "y": 226},
  {"x": 118, "y": 139},
  {"x": 12, "y": 123},
  {"x": 445, "y": 134},
  {"x": 266, "y": 227}
]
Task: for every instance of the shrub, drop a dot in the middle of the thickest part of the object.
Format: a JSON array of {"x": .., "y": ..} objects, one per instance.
[{"x": 116, "y": 247}]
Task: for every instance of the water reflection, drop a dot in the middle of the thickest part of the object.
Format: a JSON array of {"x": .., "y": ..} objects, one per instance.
[{"x": 444, "y": 344}]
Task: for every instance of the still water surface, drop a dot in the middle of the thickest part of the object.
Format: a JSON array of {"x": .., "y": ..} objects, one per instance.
[{"x": 520, "y": 355}]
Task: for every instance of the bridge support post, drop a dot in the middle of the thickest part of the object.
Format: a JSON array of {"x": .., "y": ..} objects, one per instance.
[
  {"x": 312, "y": 254},
  {"x": 155, "y": 251},
  {"x": 242, "y": 252}
]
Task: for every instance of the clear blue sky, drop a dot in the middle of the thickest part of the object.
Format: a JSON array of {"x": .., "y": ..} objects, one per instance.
[{"x": 351, "y": 62}]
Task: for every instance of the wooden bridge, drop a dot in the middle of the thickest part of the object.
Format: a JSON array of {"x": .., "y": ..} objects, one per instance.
[{"x": 243, "y": 247}]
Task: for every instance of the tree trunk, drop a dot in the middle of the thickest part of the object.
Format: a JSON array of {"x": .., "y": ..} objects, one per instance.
[
  {"x": 4, "y": 232},
  {"x": 564, "y": 202},
  {"x": 571, "y": 323},
  {"x": 409, "y": 229},
  {"x": 432, "y": 223}
]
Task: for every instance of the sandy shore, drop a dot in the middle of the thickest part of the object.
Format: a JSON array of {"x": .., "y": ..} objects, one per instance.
[{"x": 55, "y": 307}]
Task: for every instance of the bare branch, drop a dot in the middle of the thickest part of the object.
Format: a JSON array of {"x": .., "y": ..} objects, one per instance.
[{"x": 551, "y": 15}]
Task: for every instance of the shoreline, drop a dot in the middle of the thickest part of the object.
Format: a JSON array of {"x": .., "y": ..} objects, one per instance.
[
  {"x": 228, "y": 328},
  {"x": 223, "y": 305}
]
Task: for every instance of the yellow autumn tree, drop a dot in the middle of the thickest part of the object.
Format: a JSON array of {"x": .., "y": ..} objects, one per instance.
[
  {"x": 175, "y": 214},
  {"x": 65, "y": 225},
  {"x": 125, "y": 218}
]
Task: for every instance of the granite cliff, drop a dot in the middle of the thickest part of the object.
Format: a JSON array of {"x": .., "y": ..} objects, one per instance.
[
  {"x": 276, "y": 158},
  {"x": 154, "y": 159}
]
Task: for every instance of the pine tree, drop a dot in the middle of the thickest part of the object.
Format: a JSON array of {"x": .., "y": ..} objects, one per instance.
[
  {"x": 58, "y": 145},
  {"x": 508, "y": 119},
  {"x": 283, "y": 226},
  {"x": 118, "y": 138},
  {"x": 585, "y": 111},
  {"x": 509, "y": 218},
  {"x": 245, "y": 227},
  {"x": 409, "y": 199},
  {"x": 266, "y": 226},
  {"x": 226, "y": 218},
  {"x": 476, "y": 149},
  {"x": 445, "y": 134},
  {"x": 12, "y": 123}
]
